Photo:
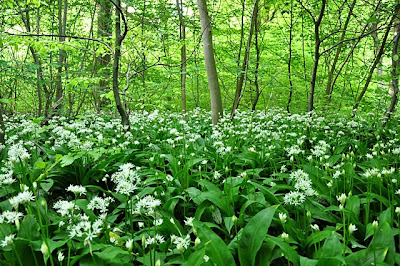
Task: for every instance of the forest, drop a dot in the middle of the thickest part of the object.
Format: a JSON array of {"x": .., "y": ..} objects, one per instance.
[{"x": 207, "y": 132}]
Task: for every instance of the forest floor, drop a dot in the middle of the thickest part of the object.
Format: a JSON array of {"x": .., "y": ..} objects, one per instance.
[{"x": 268, "y": 188}]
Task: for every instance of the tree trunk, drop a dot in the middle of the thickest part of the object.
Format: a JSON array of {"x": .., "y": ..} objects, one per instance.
[
  {"x": 104, "y": 32},
  {"x": 182, "y": 31},
  {"x": 62, "y": 21},
  {"x": 375, "y": 63},
  {"x": 317, "y": 25},
  {"x": 117, "y": 55},
  {"x": 212, "y": 75},
  {"x": 290, "y": 58},
  {"x": 2, "y": 128},
  {"x": 258, "y": 57},
  {"x": 240, "y": 80},
  {"x": 329, "y": 87},
  {"x": 394, "y": 90}
]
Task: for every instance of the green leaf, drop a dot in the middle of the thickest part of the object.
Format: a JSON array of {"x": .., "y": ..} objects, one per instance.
[
  {"x": 40, "y": 165},
  {"x": 307, "y": 262},
  {"x": 216, "y": 248},
  {"x": 196, "y": 258},
  {"x": 29, "y": 228},
  {"x": 67, "y": 160},
  {"x": 286, "y": 249},
  {"x": 254, "y": 234},
  {"x": 332, "y": 247}
]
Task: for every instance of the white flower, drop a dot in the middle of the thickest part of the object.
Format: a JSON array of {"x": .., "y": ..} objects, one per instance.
[
  {"x": 180, "y": 242},
  {"x": 294, "y": 198},
  {"x": 189, "y": 221},
  {"x": 282, "y": 217},
  {"x": 315, "y": 227},
  {"x": 285, "y": 236},
  {"x": 352, "y": 228},
  {"x": 21, "y": 198},
  {"x": 60, "y": 256},
  {"x": 17, "y": 152},
  {"x": 342, "y": 198},
  {"x": 147, "y": 205},
  {"x": 375, "y": 224},
  {"x": 8, "y": 240},
  {"x": 129, "y": 244},
  {"x": 206, "y": 258},
  {"x": 64, "y": 207},
  {"x": 100, "y": 204},
  {"x": 77, "y": 189},
  {"x": 10, "y": 217}
]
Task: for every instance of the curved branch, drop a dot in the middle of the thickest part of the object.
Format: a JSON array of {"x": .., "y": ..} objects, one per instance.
[
  {"x": 123, "y": 19},
  {"x": 64, "y": 36}
]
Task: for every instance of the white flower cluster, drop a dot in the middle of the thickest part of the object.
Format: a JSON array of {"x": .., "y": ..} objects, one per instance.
[
  {"x": 126, "y": 179},
  {"x": 7, "y": 177},
  {"x": 181, "y": 243},
  {"x": 303, "y": 188},
  {"x": 10, "y": 217},
  {"x": 77, "y": 189},
  {"x": 101, "y": 204},
  {"x": 147, "y": 205},
  {"x": 17, "y": 152},
  {"x": 21, "y": 198}
]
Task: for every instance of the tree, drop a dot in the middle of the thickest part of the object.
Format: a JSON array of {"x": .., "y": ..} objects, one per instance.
[
  {"x": 240, "y": 79},
  {"x": 182, "y": 33},
  {"x": 212, "y": 75},
  {"x": 117, "y": 54}
]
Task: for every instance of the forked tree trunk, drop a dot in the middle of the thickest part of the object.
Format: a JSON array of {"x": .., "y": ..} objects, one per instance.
[
  {"x": 317, "y": 24},
  {"x": 329, "y": 86},
  {"x": 212, "y": 75},
  {"x": 240, "y": 80},
  {"x": 117, "y": 55},
  {"x": 376, "y": 62}
]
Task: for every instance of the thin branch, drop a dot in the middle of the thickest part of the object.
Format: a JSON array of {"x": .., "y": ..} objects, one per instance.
[{"x": 64, "y": 36}]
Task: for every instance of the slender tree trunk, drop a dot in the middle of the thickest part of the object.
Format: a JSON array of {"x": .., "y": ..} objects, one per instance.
[
  {"x": 104, "y": 32},
  {"x": 375, "y": 63},
  {"x": 258, "y": 57},
  {"x": 62, "y": 21},
  {"x": 329, "y": 87},
  {"x": 2, "y": 128},
  {"x": 241, "y": 34},
  {"x": 379, "y": 67},
  {"x": 212, "y": 75},
  {"x": 240, "y": 80},
  {"x": 182, "y": 31},
  {"x": 290, "y": 58},
  {"x": 394, "y": 90},
  {"x": 117, "y": 55},
  {"x": 317, "y": 55}
]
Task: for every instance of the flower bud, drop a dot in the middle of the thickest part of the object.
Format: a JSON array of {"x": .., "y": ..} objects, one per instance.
[
  {"x": 197, "y": 241},
  {"x": 44, "y": 249}
]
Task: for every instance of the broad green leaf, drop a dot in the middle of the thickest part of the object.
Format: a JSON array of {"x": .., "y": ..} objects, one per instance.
[
  {"x": 216, "y": 248},
  {"x": 254, "y": 234}
]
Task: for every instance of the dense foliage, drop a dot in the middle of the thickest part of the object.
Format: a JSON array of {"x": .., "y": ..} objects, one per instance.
[{"x": 266, "y": 188}]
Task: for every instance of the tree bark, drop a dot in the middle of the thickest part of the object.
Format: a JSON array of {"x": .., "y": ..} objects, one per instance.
[
  {"x": 317, "y": 24},
  {"x": 104, "y": 32},
  {"x": 375, "y": 63},
  {"x": 240, "y": 80},
  {"x": 329, "y": 87},
  {"x": 182, "y": 31},
  {"x": 290, "y": 58},
  {"x": 62, "y": 21},
  {"x": 117, "y": 55},
  {"x": 212, "y": 75},
  {"x": 394, "y": 90},
  {"x": 258, "y": 58}
]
